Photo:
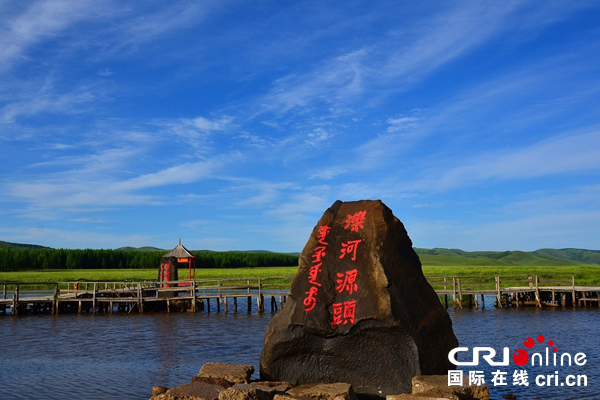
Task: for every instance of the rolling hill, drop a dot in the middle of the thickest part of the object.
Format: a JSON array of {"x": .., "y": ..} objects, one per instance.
[{"x": 441, "y": 256}]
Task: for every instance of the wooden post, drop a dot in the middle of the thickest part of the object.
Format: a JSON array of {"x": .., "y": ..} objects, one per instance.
[
  {"x": 454, "y": 299},
  {"x": 208, "y": 305},
  {"x": 219, "y": 299},
  {"x": 574, "y": 294},
  {"x": 16, "y": 300},
  {"x": 55, "y": 300},
  {"x": 482, "y": 301},
  {"x": 94, "y": 297},
  {"x": 260, "y": 300},
  {"x": 537, "y": 292},
  {"x": 193, "y": 290},
  {"x": 460, "y": 298},
  {"x": 517, "y": 299},
  {"x": 225, "y": 305},
  {"x": 4, "y": 291},
  {"x": 235, "y": 304},
  {"x": 259, "y": 287},
  {"x": 498, "y": 293},
  {"x": 140, "y": 295}
]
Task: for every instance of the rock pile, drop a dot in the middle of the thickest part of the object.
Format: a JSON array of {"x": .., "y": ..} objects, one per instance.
[{"x": 217, "y": 381}]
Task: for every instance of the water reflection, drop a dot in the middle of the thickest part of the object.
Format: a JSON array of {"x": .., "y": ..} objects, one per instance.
[{"x": 123, "y": 356}]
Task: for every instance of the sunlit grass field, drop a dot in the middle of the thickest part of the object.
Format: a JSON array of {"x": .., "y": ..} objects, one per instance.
[
  {"x": 584, "y": 275},
  {"x": 66, "y": 275}
]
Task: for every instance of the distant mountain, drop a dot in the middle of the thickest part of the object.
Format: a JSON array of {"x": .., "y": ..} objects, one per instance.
[
  {"x": 543, "y": 257},
  {"x": 440, "y": 256},
  {"x": 145, "y": 248},
  {"x": 586, "y": 256},
  {"x": 6, "y": 245}
]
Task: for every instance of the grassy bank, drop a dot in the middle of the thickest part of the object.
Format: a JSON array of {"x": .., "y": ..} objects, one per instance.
[
  {"x": 139, "y": 274},
  {"x": 584, "y": 275}
]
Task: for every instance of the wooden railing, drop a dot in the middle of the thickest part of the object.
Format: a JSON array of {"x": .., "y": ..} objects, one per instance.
[{"x": 456, "y": 286}]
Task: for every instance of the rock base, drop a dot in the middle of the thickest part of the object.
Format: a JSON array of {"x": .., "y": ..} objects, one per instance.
[{"x": 217, "y": 383}]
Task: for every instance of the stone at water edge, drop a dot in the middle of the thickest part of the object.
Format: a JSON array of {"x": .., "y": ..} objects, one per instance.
[
  {"x": 232, "y": 373},
  {"x": 366, "y": 315}
]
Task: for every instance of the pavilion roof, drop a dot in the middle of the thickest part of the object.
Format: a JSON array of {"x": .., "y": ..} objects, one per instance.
[{"x": 179, "y": 252}]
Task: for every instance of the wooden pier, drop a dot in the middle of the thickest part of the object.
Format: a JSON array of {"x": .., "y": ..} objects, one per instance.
[
  {"x": 144, "y": 296},
  {"x": 514, "y": 291},
  {"x": 196, "y": 295}
]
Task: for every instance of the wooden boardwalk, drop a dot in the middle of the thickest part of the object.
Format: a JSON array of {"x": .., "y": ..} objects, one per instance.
[
  {"x": 19, "y": 298},
  {"x": 514, "y": 291},
  {"x": 144, "y": 296}
]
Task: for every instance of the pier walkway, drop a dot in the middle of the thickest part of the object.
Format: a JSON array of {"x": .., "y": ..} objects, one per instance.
[{"x": 19, "y": 298}]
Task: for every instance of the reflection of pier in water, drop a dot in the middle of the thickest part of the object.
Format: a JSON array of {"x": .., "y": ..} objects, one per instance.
[{"x": 196, "y": 295}]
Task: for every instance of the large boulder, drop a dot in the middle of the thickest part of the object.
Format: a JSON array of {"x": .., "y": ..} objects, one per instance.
[{"x": 360, "y": 310}]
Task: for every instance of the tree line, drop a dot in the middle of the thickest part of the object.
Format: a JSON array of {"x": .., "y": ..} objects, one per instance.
[{"x": 44, "y": 259}]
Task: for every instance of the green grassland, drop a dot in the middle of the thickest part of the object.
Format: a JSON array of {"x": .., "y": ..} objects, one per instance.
[
  {"x": 140, "y": 274},
  {"x": 584, "y": 274}
]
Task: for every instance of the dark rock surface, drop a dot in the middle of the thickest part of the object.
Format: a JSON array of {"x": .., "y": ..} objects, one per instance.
[
  {"x": 215, "y": 381},
  {"x": 360, "y": 310},
  {"x": 156, "y": 390},
  {"x": 232, "y": 373},
  {"x": 248, "y": 391},
  {"x": 437, "y": 386},
  {"x": 191, "y": 391},
  {"x": 323, "y": 391}
]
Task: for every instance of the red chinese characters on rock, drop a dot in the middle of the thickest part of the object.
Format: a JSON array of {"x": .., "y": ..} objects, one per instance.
[
  {"x": 356, "y": 221},
  {"x": 347, "y": 282},
  {"x": 344, "y": 312},
  {"x": 350, "y": 248},
  {"x": 310, "y": 301}
]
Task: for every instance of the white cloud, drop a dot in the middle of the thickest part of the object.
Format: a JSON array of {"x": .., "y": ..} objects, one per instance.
[
  {"x": 176, "y": 175},
  {"x": 39, "y": 21},
  {"x": 578, "y": 152},
  {"x": 402, "y": 124},
  {"x": 45, "y": 100},
  {"x": 318, "y": 136},
  {"x": 57, "y": 238},
  {"x": 196, "y": 131}
]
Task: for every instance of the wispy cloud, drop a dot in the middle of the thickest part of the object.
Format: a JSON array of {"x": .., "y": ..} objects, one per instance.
[
  {"x": 392, "y": 63},
  {"x": 77, "y": 239},
  {"x": 568, "y": 153},
  {"x": 196, "y": 131},
  {"x": 41, "y": 21},
  {"x": 45, "y": 99}
]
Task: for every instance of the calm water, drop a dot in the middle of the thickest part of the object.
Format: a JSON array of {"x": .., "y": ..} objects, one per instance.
[{"x": 123, "y": 356}]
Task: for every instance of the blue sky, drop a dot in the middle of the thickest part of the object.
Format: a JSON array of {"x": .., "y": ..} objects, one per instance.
[{"x": 235, "y": 124}]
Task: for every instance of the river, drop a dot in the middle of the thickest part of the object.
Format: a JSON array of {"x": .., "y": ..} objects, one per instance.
[{"x": 122, "y": 356}]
